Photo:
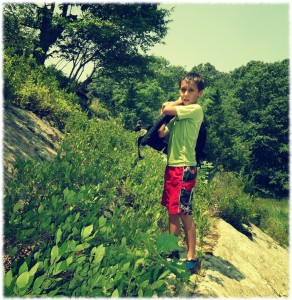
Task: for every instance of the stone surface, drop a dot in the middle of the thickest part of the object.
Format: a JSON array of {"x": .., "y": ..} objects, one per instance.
[
  {"x": 243, "y": 267},
  {"x": 27, "y": 136}
]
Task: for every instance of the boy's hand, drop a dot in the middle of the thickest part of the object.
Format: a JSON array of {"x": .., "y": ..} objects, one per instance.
[
  {"x": 166, "y": 104},
  {"x": 171, "y": 103}
]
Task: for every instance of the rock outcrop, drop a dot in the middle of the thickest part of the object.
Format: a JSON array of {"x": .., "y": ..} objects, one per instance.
[
  {"x": 240, "y": 266},
  {"x": 27, "y": 136}
]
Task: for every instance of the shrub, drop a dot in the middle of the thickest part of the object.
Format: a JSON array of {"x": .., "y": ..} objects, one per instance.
[
  {"x": 272, "y": 217},
  {"x": 226, "y": 194},
  {"x": 89, "y": 222},
  {"x": 38, "y": 90},
  {"x": 96, "y": 110},
  {"x": 236, "y": 210}
]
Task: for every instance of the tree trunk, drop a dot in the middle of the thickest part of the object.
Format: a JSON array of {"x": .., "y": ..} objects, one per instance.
[{"x": 48, "y": 32}]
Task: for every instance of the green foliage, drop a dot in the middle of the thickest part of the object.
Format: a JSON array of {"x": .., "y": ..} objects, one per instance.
[
  {"x": 133, "y": 98},
  {"x": 262, "y": 91},
  {"x": 94, "y": 36},
  {"x": 16, "y": 40},
  {"x": 93, "y": 222},
  {"x": 246, "y": 110},
  {"x": 227, "y": 197},
  {"x": 38, "y": 91},
  {"x": 272, "y": 217},
  {"x": 201, "y": 202},
  {"x": 96, "y": 110},
  {"x": 246, "y": 113}
]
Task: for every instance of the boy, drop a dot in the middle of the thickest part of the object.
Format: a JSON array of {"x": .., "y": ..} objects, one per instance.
[{"x": 181, "y": 170}]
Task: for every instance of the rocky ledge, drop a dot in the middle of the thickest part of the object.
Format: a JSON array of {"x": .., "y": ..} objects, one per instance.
[{"x": 27, "y": 136}]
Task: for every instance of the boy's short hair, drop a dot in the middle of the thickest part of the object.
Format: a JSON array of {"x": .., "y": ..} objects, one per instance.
[{"x": 195, "y": 77}]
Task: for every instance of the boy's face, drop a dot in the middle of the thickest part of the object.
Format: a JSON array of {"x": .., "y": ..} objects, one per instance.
[{"x": 189, "y": 92}]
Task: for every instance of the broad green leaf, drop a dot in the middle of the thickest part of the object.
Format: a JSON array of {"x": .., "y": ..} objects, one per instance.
[
  {"x": 86, "y": 231},
  {"x": 144, "y": 284},
  {"x": 33, "y": 270},
  {"x": 118, "y": 276},
  {"x": 54, "y": 254},
  {"x": 41, "y": 208},
  {"x": 73, "y": 284},
  {"x": 167, "y": 242},
  {"x": 23, "y": 268},
  {"x": 115, "y": 293},
  {"x": 18, "y": 205},
  {"x": 148, "y": 293},
  {"x": 72, "y": 245},
  {"x": 47, "y": 283},
  {"x": 125, "y": 267},
  {"x": 97, "y": 280},
  {"x": 79, "y": 247},
  {"x": 60, "y": 266},
  {"x": 80, "y": 259},
  {"x": 157, "y": 284},
  {"x": 102, "y": 221},
  {"x": 22, "y": 280},
  {"x": 53, "y": 292},
  {"x": 155, "y": 274},
  {"x": 98, "y": 254},
  {"x": 36, "y": 255},
  {"x": 140, "y": 293},
  {"x": 63, "y": 248},
  {"x": 76, "y": 217},
  {"x": 58, "y": 235},
  {"x": 8, "y": 278},
  {"x": 69, "y": 260},
  {"x": 103, "y": 230},
  {"x": 38, "y": 281},
  {"x": 86, "y": 245},
  {"x": 144, "y": 277},
  {"x": 164, "y": 274},
  {"x": 124, "y": 241}
]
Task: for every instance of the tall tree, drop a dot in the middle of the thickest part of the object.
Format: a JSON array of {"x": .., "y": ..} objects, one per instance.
[
  {"x": 262, "y": 92},
  {"x": 95, "y": 36}
]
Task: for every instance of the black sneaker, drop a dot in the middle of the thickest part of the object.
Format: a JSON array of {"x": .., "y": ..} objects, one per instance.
[{"x": 193, "y": 265}]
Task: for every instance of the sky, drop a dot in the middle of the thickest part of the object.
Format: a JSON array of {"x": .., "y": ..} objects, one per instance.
[{"x": 226, "y": 35}]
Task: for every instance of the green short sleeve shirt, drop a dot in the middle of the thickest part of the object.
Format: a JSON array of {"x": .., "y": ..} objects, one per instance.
[{"x": 183, "y": 133}]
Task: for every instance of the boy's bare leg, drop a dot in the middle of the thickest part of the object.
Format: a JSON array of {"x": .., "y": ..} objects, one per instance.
[
  {"x": 174, "y": 224},
  {"x": 190, "y": 233}
]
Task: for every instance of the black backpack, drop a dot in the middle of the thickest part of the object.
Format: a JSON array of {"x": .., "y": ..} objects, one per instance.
[{"x": 152, "y": 139}]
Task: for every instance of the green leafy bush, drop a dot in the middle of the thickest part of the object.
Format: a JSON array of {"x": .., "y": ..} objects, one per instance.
[
  {"x": 226, "y": 195},
  {"x": 273, "y": 218},
  {"x": 38, "y": 91},
  {"x": 91, "y": 222}
]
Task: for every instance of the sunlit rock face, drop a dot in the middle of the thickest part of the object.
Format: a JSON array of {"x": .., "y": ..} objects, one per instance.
[{"x": 27, "y": 136}]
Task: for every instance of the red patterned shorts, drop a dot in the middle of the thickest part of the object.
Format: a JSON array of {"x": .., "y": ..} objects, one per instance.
[{"x": 178, "y": 189}]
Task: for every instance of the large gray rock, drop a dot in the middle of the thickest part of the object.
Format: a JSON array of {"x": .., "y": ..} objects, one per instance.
[
  {"x": 240, "y": 266},
  {"x": 27, "y": 136}
]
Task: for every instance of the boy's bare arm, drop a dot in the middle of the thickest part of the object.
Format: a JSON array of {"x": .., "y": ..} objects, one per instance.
[
  {"x": 168, "y": 108},
  {"x": 163, "y": 131}
]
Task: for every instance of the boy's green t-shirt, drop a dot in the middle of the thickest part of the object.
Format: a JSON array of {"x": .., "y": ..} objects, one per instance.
[{"x": 183, "y": 133}]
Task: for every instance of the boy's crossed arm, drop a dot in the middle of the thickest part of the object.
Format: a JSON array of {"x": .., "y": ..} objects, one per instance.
[{"x": 169, "y": 109}]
